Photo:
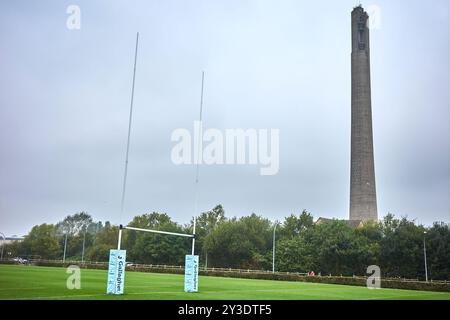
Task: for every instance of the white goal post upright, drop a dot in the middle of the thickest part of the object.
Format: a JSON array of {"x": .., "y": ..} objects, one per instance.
[
  {"x": 120, "y": 238},
  {"x": 117, "y": 258},
  {"x": 193, "y": 236},
  {"x": 199, "y": 155},
  {"x": 192, "y": 261}
]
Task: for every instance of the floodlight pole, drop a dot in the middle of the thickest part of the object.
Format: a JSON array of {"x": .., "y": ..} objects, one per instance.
[
  {"x": 65, "y": 247},
  {"x": 84, "y": 241},
  {"x": 273, "y": 249},
  {"x": 3, "y": 244},
  {"x": 425, "y": 256}
]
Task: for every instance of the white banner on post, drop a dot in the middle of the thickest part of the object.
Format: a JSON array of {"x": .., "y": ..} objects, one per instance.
[
  {"x": 191, "y": 274},
  {"x": 116, "y": 271}
]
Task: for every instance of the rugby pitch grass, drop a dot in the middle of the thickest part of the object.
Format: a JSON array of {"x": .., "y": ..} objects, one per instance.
[{"x": 30, "y": 282}]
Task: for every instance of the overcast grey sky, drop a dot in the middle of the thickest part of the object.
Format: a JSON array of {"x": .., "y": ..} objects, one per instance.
[{"x": 64, "y": 103}]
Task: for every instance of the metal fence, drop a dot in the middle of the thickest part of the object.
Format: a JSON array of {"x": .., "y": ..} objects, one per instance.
[{"x": 172, "y": 267}]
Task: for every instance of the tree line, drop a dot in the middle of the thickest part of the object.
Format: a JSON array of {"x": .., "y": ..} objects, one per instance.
[{"x": 396, "y": 245}]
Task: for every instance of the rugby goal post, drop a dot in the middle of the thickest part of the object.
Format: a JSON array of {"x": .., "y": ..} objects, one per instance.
[
  {"x": 117, "y": 258},
  {"x": 117, "y": 262}
]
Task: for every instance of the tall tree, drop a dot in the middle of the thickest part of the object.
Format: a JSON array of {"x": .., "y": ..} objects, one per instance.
[
  {"x": 401, "y": 248},
  {"x": 241, "y": 243},
  {"x": 74, "y": 224},
  {"x": 42, "y": 241},
  {"x": 294, "y": 225},
  {"x": 437, "y": 241}
]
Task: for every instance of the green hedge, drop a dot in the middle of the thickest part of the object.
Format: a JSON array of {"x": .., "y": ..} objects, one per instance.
[
  {"x": 352, "y": 281},
  {"x": 104, "y": 266}
]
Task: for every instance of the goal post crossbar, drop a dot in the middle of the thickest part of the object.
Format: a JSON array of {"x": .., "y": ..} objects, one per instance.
[
  {"x": 161, "y": 232},
  {"x": 150, "y": 231}
]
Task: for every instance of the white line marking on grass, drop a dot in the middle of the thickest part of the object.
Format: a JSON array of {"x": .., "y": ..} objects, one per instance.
[
  {"x": 300, "y": 292},
  {"x": 403, "y": 296},
  {"x": 179, "y": 292},
  {"x": 23, "y": 288}
]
